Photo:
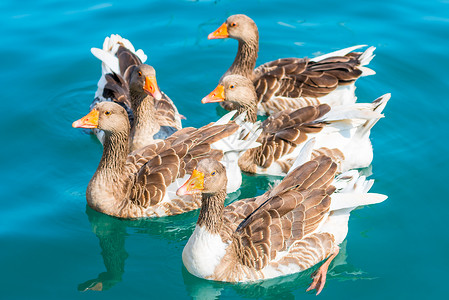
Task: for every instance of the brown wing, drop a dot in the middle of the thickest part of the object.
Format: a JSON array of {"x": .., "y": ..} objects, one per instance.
[
  {"x": 116, "y": 87},
  {"x": 343, "y": 68},
  {"x": 276, "y": 65},
  {"x": 290, "y": 212},
  {"x": 296, "y": 78},
  {"x": 126, "y": 59},
  {"x": 184, "y": 151},
  {"x": 139, "y": 157},
  {"x": 336, "y": 155},
  {"x": 166, "y": 112},
  {"x": 281, "y": 134}
]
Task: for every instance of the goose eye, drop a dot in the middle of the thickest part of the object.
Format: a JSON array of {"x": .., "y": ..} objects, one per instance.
[
  {"x": 213, "y": 173},
  {"x": 107, "y": 113},
  {"x": 140, "y": 74},
  {"x": 232, "y": 86},
  {"x": 233, "y": 24}
]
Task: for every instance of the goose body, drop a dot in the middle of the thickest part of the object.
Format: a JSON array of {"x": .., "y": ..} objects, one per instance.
[
  {"x": 289, "y": 229},
  {"x": 291, "y": 83},
  {"x": 143, "y": 183},
  {"x": 347, "y": 141},
  {"x": 153, "y": 115},
  {"x": 341, "y": 132}
]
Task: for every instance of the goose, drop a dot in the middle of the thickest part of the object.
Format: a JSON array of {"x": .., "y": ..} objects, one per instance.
[
  {"x": 341, "y": 132},
  {"x": 288, "y": 229},
  {"x": 128, "y": 81},
  {"x": 143, "y": 183},
  {"x": 293, "y": 82}
]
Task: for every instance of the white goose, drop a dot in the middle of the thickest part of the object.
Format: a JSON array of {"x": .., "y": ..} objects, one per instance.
[{"x": 289, "y": 229}]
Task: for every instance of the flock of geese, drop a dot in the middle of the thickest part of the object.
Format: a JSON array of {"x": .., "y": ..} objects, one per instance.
[{"x": 315, "y": 135}]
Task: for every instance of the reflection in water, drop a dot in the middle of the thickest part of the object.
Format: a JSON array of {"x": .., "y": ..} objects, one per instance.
[
  {"x": 112, "y": 233},
  {"x": 279, "y": 287}
]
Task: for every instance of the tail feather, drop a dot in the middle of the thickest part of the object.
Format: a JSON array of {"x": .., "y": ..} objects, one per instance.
[
  {"x": 109, "y": 60},
  {"x": 350, "y": 181},
  {"x": 243, "y": 139},
  {"x": 247, "y": 127},
  {"x": 366, "y": 71},
  {"x": 353, "y": 191},
  {"x": 341, "y": 52},
  {"x": 304, "y": 155},
  {"x": 240, "y": 118},
  {"x": 379, "y": 105},
  {"x": 362, "y": 116},
  {"x": 345, "y": 180},
  {"x": 108, "y": 54},
  {"x": 367, "y": 56},
  {"x": 365, "y": 59},
  {"x": 225, "y": 119},
  {"x": 112, "y": 43},
  {"x": 353, "y": 200},
  {"x": 365, "y": 111}
]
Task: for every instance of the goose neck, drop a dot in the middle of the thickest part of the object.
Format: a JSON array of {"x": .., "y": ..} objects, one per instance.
[{"x": 211, "y": 213}]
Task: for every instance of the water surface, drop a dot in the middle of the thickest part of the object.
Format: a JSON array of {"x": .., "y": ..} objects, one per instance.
[{"x": 53, "y": 247}]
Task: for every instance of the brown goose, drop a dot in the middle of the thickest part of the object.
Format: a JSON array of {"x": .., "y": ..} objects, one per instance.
[
  {"x": 143, "y": 183},
  {"x": 287, "y": 230},
  {"x": 129, "y": 82},
  {"x": 293, "y": 82},
  {"x": 341, "y": 131}
]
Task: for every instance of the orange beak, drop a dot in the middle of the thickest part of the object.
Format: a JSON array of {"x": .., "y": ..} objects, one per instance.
[
  {"x": 151, "y": 87},
  {"x": 88, "y": 121},
  {"x": 193, "y": 185},
  {"x": 216, "y": 95},
  {"x": 220, "y": 33}
]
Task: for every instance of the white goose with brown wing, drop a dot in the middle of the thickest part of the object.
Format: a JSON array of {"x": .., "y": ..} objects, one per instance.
[{"x": 296, "y": 225}]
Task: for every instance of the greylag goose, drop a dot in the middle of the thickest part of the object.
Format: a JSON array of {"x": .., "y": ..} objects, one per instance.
[
  {"x": 293, "y": 82},
  {"x": 143, "y": 183},
  {"x": 340, "y": 131},
  {"x": 289, "y": 229},
  {"x": 129, "y": 82}
]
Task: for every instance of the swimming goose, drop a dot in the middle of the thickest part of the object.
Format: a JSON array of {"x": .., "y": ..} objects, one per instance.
[
  {"x": 129, "y": 82},
  {"x": 289, "y": 229},
  {"x": 293, "y": 82},
  {"x": 143, "y": 183},
  {"x": 340, "y": 131}
]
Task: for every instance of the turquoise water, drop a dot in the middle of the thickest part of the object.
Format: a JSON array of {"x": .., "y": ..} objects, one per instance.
[{"x": 53, "y": 247}]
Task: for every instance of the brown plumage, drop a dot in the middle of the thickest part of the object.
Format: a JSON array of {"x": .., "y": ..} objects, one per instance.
[
  {"x": 153, "y": 115},
  {"x": 155, "y": 119},
  {"x": 288, "y": 229},
  {"x": 258, "y": 229},
  {"x": 135, "y": 185},
  {"x": 286, "y": 83},
  {"x": 281, "y": 132}
]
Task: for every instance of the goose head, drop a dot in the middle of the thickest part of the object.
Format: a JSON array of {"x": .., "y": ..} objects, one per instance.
[
  {"x": 142, "y": 79},
  {"x": 236, "y": 89},
  {"x": 107, "y": 116},
  {"x": 239, "y": 27},
  {"x": 209, "y": 177}
]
